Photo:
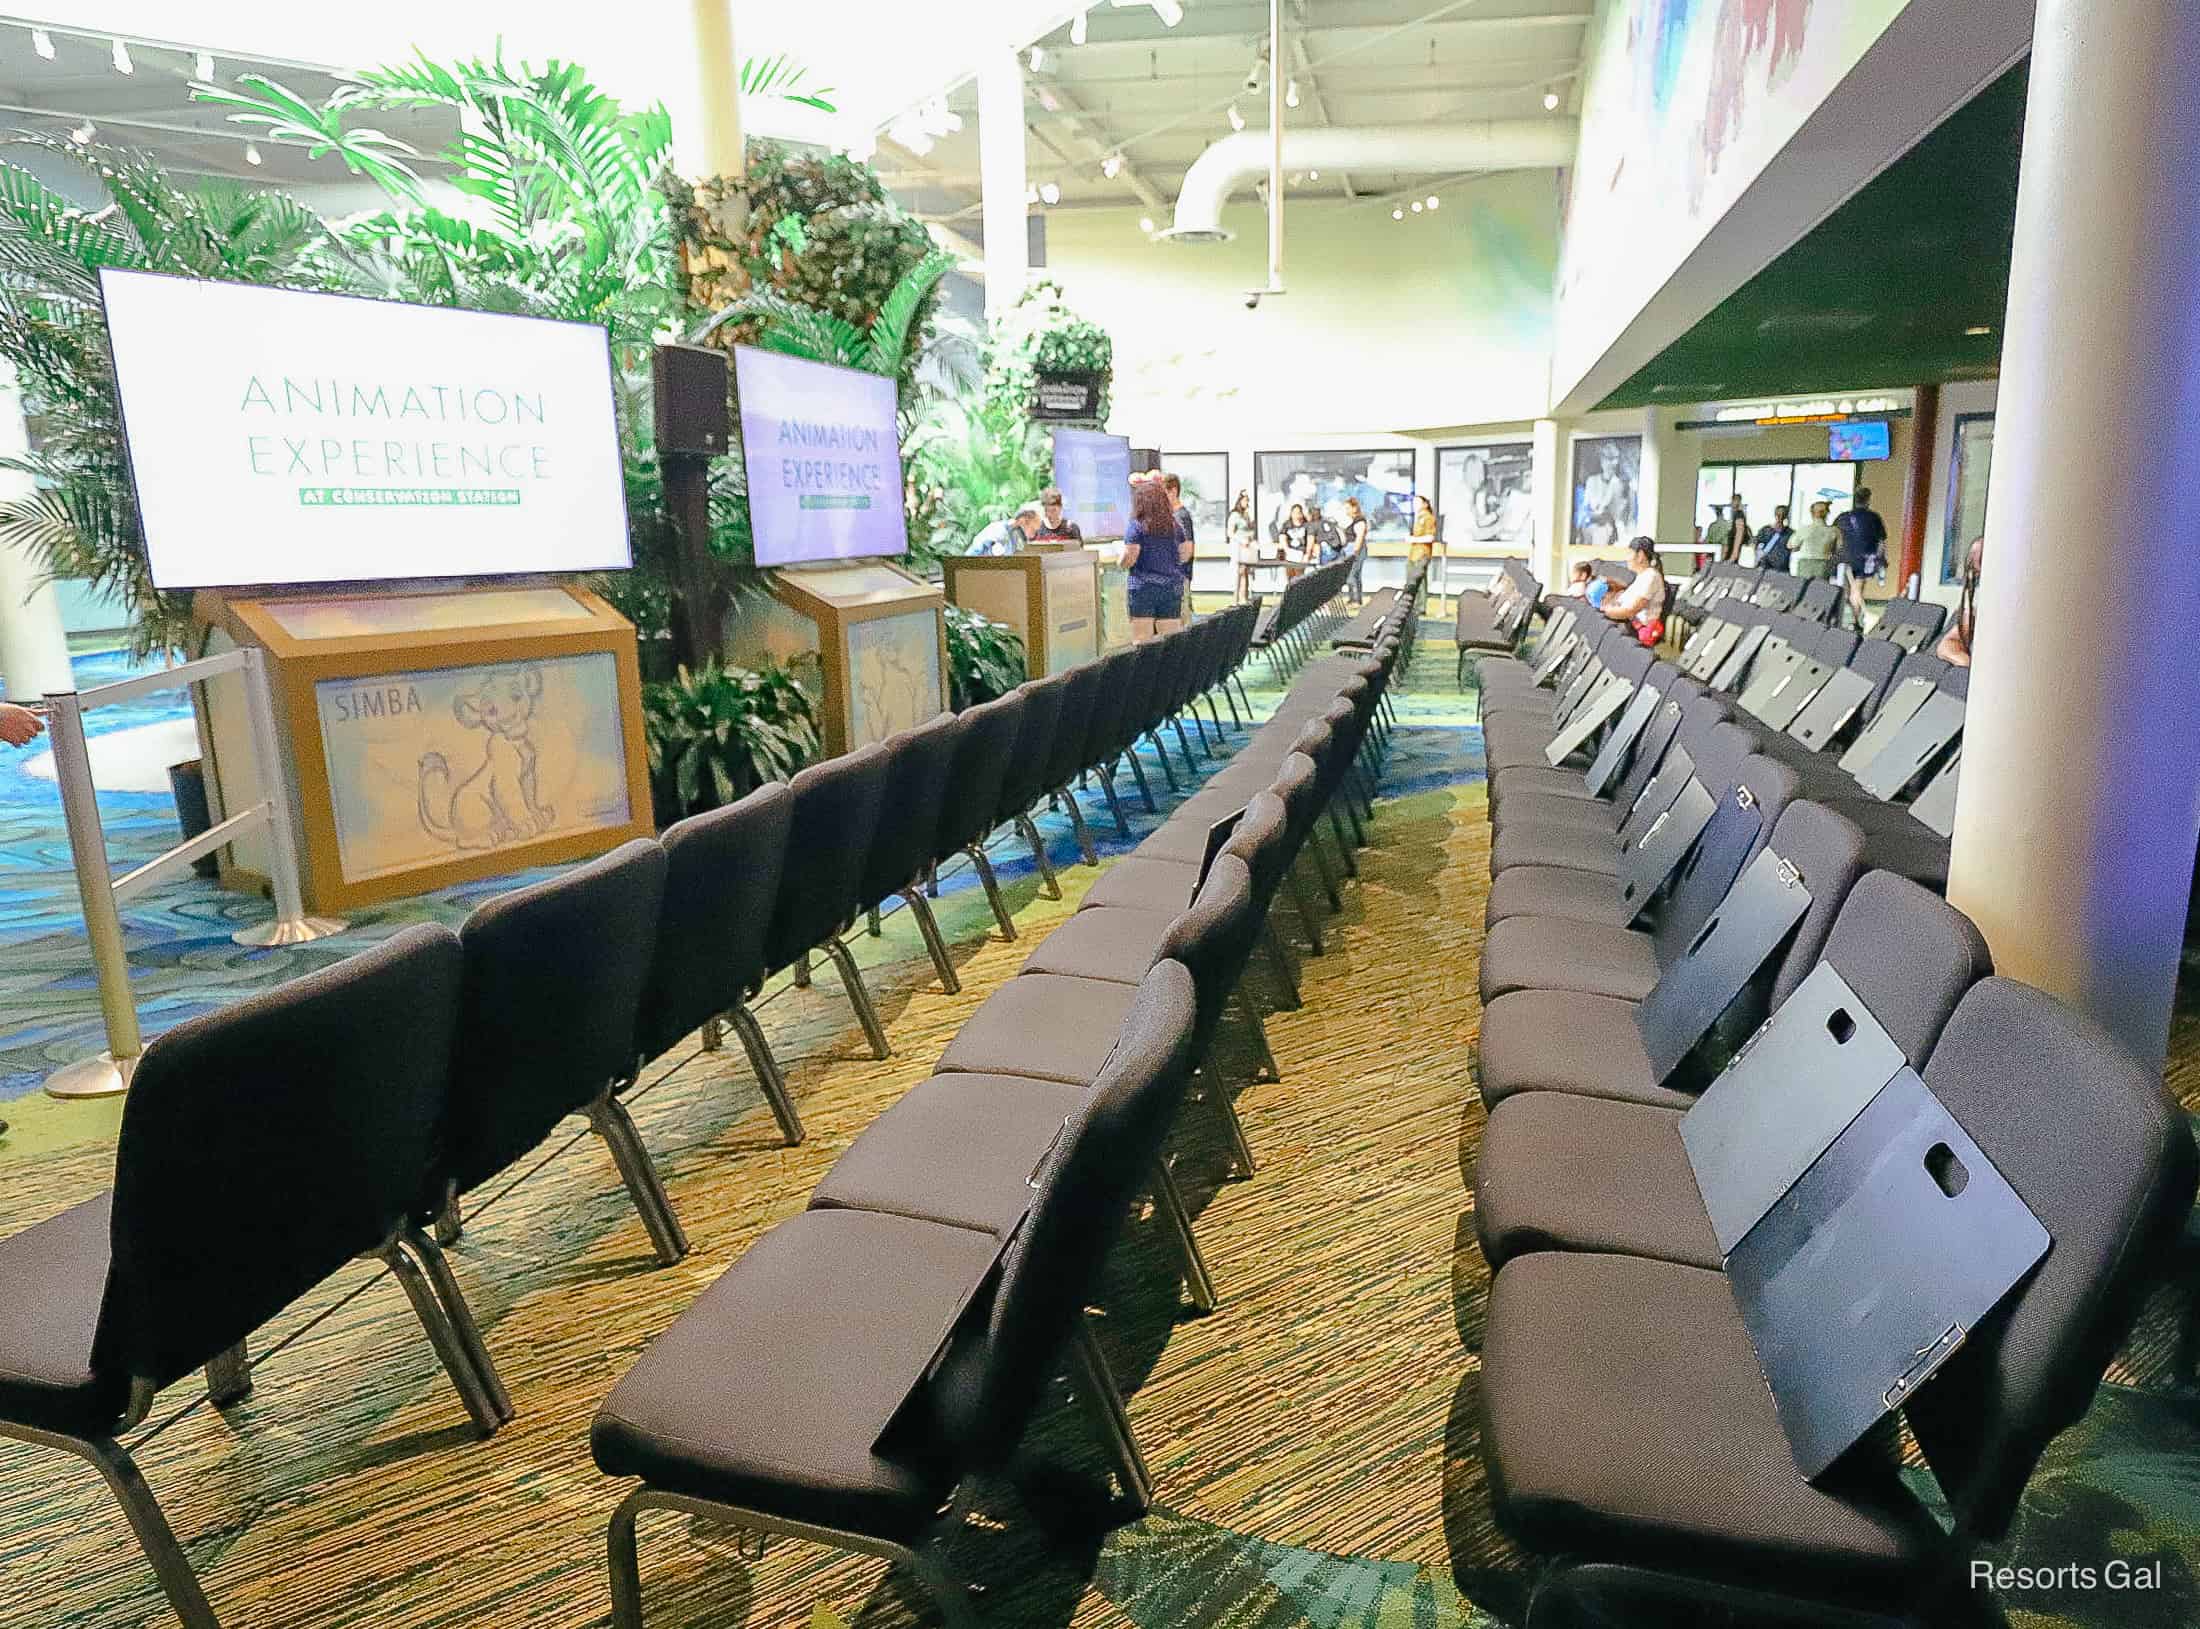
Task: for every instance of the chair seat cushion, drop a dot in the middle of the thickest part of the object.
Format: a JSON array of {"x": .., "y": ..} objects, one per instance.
[
  {"x": 1531, "y": 808},
  {"x": 1044, "y": 1026},
  {"x": 1184, "y": 837},
  {"x": 1520, "y": 752},
  {"x": 1551, "y": 953},
  {"x": 1624, "y": 1418},
  {"x": 1114, "y": 944},
  {"x": 957, "y": 1149},
  {"x": 1136, "y": 883},
  {"x": 52, "y": 1279},
  {"x": 1560, "y": 1172},
  {"x": 1536, "y": 1041},
  {"x": 1566, "y": 847},
  {"x": 1545, "y": 890},
  {"x": 1543, "y": 780},
  {"x": 771, "y": 1391}
]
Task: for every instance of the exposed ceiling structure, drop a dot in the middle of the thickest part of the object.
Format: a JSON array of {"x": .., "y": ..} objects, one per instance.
[
  {"x": 1116, "y": 120},
  {"x": 58, "y": 82},
  {"x": 1905, "y": 284}
]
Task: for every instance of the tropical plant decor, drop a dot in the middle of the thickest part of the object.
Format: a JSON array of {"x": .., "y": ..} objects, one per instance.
[
  {"x": 985, "y": 658},
  {"x": 718, "y": 733}
]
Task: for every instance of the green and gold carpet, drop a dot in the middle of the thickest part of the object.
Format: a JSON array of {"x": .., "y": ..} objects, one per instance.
[{"x": 1313, "y": 1443}]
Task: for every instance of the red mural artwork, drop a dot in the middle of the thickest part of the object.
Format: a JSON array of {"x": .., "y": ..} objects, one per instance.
[{"x": 1745, "y": 28}]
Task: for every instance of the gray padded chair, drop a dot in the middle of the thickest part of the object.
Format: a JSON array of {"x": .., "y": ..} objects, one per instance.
[
  {"x": 837, "y": 805},
  {"x": 985, "y": 741},
  {"x": 766, "y": 1404},
  {"x": 1583, "y": 1151},
  {"x": 918, "y": 762},
  {"x": 1627, "y": 1427},
  {"x": 721, "y": 877},
  {"x": 168, "y": 1272},
  {"x": 555, "y": 978}
]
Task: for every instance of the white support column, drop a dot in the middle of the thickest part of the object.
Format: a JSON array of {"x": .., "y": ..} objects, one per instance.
[
  {"x": 707, "y": 134},
  {"x": 2081, "y": 764},
  {"x": 34, "y": 652},
  {"x": 1553, "y": 478},
  {"x": 1668, "y": 477},
  {"x": 1003, "y": 177}
]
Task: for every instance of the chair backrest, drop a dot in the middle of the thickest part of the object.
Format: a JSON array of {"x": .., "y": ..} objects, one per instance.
[
  {"x": 1879, "y": 661},
  {"x": 1262, "y": 840},
  {"x": 721, "y": 881},
  {"x": 985, "y": 740},
  {"x": 1035, "y": 743},
  {"x": 1658, "y": 736},
  {"x": 2086, "y": 1135},
  {"x": 554, "y": 980},
  {"x": 836, "y": 812},
  {"x": 1819, "y": 598},
  {"x": 1700, "y": 885},
  {"x": 997, "y": 1367},
  {"x": 1213, "y": 938},
  {"x": 1909, "y": 955},
  {"x": 1296, "y": 783},
  {"x": 1955, "y": 680},
  {"x": 918, "y": 762},
  {"x": 1833, "y": 647},
  {"x": 1113, "y": 698},
  {"x": 1081, "y": 701},
  {"x": 1149, "y": 680},
  {"x": 266, "y": 1144},
  {"x": 1828, "y": 852}
]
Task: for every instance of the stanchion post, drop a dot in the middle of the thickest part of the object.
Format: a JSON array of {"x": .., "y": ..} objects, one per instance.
[
  {"x": 109, "y": 1072},
  {"x": 291, "y": 925}
]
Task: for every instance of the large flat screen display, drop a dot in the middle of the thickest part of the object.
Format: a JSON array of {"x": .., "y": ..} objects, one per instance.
[
  {"x": 1864, "y": 441},
  {"x": 1094, "y": 473},
  {"x": 823, "y": 448},
  {"x": 279, "y": 437}
]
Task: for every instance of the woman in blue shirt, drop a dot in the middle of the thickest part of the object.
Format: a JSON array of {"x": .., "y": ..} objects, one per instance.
[{"x": 1153, "y": 553}]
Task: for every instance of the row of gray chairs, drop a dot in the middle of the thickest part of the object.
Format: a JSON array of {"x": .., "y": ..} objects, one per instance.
[
  {"x": 1292, "y": 629},
  {"x": 852, "y": 1370},
  {"x": 1627, "y": 1429},
  {"x": 437, "y": 1061},
  {"x": 1495, "y": 619}
]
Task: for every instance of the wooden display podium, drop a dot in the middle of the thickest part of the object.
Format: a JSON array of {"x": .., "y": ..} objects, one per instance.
[
  {"x": 1051, "y": 598},
  {"x": 435, "y": 736},
  {"x": 874, "y": 637}
]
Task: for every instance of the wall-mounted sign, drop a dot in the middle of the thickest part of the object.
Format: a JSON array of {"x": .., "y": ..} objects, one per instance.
[
  {"x": 1774, "y": 413},
  {"x": 1067, "y": 395}
]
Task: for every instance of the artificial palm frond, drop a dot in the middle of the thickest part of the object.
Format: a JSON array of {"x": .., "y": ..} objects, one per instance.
[{"x": 888, "y": 344}]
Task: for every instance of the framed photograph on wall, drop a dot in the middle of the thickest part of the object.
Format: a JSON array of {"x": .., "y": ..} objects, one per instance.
[
  {"x": 1607, "y": 507},
  {"x": 1381, "y": 478},
  {"x": 1205, "y": 477},
  {"x": 1486, "y": 494}
]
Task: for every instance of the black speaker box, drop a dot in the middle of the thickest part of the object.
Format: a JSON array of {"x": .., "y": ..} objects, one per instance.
[{"x": 692, "y": 413}]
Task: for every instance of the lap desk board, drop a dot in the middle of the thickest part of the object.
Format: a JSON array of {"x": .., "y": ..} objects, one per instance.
[
  {"x": 435, "y": 737},
  {"x": 1864, "y": 1232}
]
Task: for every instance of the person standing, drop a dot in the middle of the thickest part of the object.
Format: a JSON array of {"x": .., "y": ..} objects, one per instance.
[
  {"x": 1738, "y": 539},
  {"x": 1054, "y": 525},
  {"x": 1244, "y": 543},
  {"x": 1186, "y": 535},
  {"x": 1775, "y": 544},
  {"x": 1719, "y": 534},
  {"x": 1816, "y": 543},
  {"x": 1423, "y": 542},
  {"x": 1357, "y": 530},
  {"x": 1863, "y": 537},
  {"x": 1150, "y": 555}
]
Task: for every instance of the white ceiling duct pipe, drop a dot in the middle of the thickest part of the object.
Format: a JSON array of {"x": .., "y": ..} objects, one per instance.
[{"x": 1488, "y": 144}]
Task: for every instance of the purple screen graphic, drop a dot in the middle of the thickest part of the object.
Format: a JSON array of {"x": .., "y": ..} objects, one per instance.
[{"x": 823, "y": 451}]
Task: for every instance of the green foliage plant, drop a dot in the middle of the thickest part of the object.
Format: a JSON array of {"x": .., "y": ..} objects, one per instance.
[
  {"x": 717, "y": 733},
  {"x": 985, "y": 658}
]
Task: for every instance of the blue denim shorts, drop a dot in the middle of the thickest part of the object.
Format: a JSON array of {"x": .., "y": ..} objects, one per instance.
[{"x": 1159, "y": 600}]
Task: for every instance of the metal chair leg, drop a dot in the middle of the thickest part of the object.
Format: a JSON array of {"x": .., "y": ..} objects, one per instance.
[
  {"x": 1168, "y": 1204},
  {"x": 1168, "y": 769},
  {"x": 1239, "y": 680},
  {"x": 1200, "y": 725},
  {"x": 611, "y": 1121},
  {"x": 768, "y": 1075},
  {"x": 992, "y": 891},
  {"x": 871, "y": 923},
  {"x": 859, "y": 997},
  {"x": 155, "y": 1537},
  {"x": 1138, "y": 772},
  {"x": 1321, "y": 864},
  {"x": 802, "y": 971},
  {"x": 407, "y": 1270},
  {"x": 1286, "y": 969},
  {"x": 1236, "y": 719},
  {"x": 229, "y": 1377},
  {"x": 1029, "y": 831},
  {"x": 714, "y": 1034},
  {"x": 1218, "y": 1092},
  {"x": 1191, "y": 763},
  {"x": 1272, "y": 1071},
  {"x": 445, "y": 1284},
  {"x": 928, "y": 925},
  {"x": 626, "y": 1564},
  {"x": 1307, "y": 916},
  {"x": 1096, "y": 1387},
  {"x": 1344, "y": 843},
  {"x": 450, "y": 1221},
  {"x": 1115, "y": 803},
  {"x": 1085, "y": 850}
]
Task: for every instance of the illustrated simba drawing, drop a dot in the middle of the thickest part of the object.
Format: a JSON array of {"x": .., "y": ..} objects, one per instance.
[{"x": 496, "y": 804}]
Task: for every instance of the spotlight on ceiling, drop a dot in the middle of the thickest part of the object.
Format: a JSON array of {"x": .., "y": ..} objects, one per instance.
[
  {"x": 1434, "y": 201},
  {"x": 1038, "y": 59},
  {"x": 1291, "y": 93},
  {"x": 1112, "y": 166},
  {"x": 121, "y": 57},
  {"x": 42, "y": 43},
  {"x": 1145, "y": 224},
  {"x": 205, "y": 65},
  {"x": 1313, "y": 175},
  {"x": 1171, "y": 12},
  {"x": 1237, "y": 119},
  {"x": 1049, "y": 193},
  {"x": 1077, "y": 29},
  {"x": 1397, "y": 214},
  {"x": 1416, "y": 206},
  {"x": 251, "y": 153},
  {"x": 1550, "y": 101}
]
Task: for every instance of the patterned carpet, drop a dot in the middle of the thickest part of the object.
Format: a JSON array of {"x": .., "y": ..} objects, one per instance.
[{"x": 1313, "y": 1443}]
